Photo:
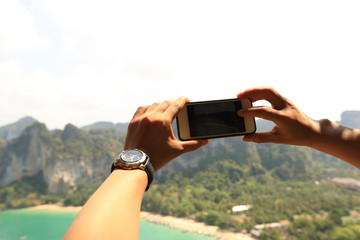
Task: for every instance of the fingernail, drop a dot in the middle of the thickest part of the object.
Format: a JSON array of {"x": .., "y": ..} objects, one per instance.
[{"x": 245, "y": 139}]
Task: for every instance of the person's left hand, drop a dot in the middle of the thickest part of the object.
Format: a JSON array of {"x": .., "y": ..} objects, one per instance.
[{"x": 150, "y": 131}]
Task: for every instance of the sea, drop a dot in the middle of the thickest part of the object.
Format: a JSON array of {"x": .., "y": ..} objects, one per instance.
[{"x": 25, "y": 224}]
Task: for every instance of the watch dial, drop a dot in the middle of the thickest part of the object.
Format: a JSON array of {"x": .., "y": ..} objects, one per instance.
[{"x": 131, "y": 156}]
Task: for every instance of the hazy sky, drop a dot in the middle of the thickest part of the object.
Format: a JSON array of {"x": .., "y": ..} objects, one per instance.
[{"x": 86, "y": 61}]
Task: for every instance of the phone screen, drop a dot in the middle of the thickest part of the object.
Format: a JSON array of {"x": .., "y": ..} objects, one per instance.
[{"x": 215, "y": 118}]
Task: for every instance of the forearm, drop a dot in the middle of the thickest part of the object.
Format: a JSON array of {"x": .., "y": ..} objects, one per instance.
[
  {"x": 113, "y": 211},
  {"x": 339, "y": 141}
]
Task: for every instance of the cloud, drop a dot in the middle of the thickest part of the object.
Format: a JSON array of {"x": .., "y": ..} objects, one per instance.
[
  {"x": 83, "y": 96},
  {"x": 55, "y": 99},
  {"x": 18, "y": 31},
  {"x": 109, "y": 57},
  {"x": 196, "y": 37}
]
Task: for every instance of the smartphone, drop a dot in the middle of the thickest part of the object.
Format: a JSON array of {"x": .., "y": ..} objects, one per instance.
[{"x": 214, "y": 119}]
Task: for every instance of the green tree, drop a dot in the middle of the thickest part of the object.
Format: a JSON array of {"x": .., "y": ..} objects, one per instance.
[
  {"x": 79, "y": 196},
  {"x": 346, "y": 233},
  {"x": 336, "y": 214}
]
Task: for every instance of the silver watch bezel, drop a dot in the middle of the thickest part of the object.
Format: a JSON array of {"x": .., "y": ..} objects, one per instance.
[{"x": 139, "y": 164}]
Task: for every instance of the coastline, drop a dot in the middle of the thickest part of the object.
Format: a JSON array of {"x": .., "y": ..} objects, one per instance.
[
  {"x": 193, "y": 226},
  {"x": 169, "y": 221},
  {"x": 55, "y": 208}
]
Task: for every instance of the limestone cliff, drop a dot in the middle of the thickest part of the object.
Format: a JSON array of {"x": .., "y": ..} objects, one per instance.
[
  {"x": 73, "y": 155},
  {"x": 26, "y": 155},
  {"x": 65, "y": 157}
]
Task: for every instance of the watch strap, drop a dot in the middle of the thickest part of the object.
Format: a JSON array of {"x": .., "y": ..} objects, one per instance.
[
  {"x": 150, "y": 173},
  {"x": 112, "y": 167}
]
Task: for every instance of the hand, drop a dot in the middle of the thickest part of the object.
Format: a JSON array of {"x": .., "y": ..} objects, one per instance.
[
  {"x": 292, "y": 126},
  {"x": 150, "y": 131}
]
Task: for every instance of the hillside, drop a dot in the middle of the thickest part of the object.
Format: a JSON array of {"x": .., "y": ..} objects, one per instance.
[
  {"x": 66, "y": 156},
  {"x": 278, "y": 181},
  {"x": 38, "y": 149}
]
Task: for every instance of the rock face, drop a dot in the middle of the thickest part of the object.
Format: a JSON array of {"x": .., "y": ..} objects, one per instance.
[
  {"x": 72, "y": 171},
  {"x": 70, "y": 156},
  {"x": 26, "y": 155},
  {"x": 65, "y": 157}
]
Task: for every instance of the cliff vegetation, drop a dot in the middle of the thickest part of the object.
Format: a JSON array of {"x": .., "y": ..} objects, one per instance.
[{"x": 280, "y": 184}]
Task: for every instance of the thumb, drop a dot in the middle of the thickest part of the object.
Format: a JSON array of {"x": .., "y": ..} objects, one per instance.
[
  {"x": 262, "y": 137},
  {"x": 192, "y": 145}
]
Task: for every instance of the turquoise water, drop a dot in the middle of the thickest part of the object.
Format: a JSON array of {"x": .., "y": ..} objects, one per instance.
[{"x": 46, "y": 225}]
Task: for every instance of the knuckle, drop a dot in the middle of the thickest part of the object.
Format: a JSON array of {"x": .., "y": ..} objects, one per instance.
[
  {"x": 148, "y": 120},
  {"x": 152, "y": 120},
  {"x": 168, "y": 102},
  {"x": 155, "y": 104},
  {"x": 142, "y": 108},
  {"x": 176, "y": 105}
]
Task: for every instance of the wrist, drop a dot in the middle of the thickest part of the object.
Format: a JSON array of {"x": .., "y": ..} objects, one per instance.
[
  {"x": 315, "y": 134},
  {"x": 137, "y": 178},
  {"x": 324, "y": 134}
]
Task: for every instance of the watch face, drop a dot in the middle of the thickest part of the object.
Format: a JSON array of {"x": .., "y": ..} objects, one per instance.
[{"x": 131, "y": 156}]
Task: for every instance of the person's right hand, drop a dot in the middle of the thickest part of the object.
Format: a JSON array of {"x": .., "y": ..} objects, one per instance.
[
  {"x": 150, "y": 130},
  {"x": 292, "y": 126}
]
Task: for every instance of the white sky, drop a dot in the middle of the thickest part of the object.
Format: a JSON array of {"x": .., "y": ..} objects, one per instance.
[{"x": 86, "y": 61}]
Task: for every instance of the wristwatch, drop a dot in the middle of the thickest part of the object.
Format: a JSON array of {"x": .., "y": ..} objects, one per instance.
[{"x": 134, "y": 159}]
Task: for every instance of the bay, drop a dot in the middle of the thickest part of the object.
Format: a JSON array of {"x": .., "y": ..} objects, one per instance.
[{"x": 25, "y": 224}]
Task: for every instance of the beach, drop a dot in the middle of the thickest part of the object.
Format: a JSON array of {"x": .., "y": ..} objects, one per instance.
[
  {"x": 55, "y": 208},
  {"x": 183, "y": 224},
  {"x": 193, "y": 226}
]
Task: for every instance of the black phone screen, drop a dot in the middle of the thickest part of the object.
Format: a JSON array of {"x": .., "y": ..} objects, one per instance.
[{"x": 215, "y": 118}]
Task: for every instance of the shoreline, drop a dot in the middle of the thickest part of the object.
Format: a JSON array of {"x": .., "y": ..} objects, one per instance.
[
  {"x": 55, "y": 208},
  {"x": 183, "y": 224},
  {"x": 193, "y": 226}
]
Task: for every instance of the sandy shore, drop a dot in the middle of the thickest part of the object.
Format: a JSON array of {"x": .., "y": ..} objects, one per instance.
[
  {"x": 172, "y": 222},
  {"x": 57, "y": 208},
  {"x": 193, "y": 226}
]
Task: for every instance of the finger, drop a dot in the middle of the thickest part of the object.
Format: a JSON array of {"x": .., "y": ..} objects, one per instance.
[
  {"x": 192, "y": 145},
  {"x": 261, "y": 112},
  {"x": 262, "y": 137},
  {"x": 175, "y": 107},
  {"x": 159, "y": 106},
  {"x": 264, "y": 93}
]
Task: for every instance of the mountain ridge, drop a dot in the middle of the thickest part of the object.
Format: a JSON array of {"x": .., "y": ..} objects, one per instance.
[
  {"x": 66, "y": 156},
  {"x": 13, "y": 130},
  {"x": 279, "y": 181},
  {"x": 77, "y": 154},
  {"x": 349, "y": 118}
]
